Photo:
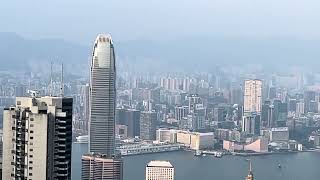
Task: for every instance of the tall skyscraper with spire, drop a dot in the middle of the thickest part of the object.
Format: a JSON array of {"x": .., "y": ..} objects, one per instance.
[
  {"x": 250, "y": 174},
  {"x": 102, "y": 97},
  {"x": 102, "y": 162}
]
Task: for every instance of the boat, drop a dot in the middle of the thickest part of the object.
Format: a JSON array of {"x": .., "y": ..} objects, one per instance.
[
  {"x": 198, "y": 153},
  {"x": 218, "y": 155},
  {"x": 279, "y": 166}
]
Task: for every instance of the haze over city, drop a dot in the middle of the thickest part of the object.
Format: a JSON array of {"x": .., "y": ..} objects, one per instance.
[{"x": 160, "y": 90}]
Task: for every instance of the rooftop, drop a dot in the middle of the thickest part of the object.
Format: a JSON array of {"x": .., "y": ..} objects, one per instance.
[
  {"x": 159, "y": 164},
  {"x": 280, "y": 129}
]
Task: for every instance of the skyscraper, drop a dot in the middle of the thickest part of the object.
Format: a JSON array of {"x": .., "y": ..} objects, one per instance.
[
  {"x": 159, "y": 170},
  {"x": 180, "y": 112},
  {"x": 102, "y": 162},
  {"x": 102, "y": 97},
  {"x": 253, "y": 96},
  {"x": 148, "y": 120},
  {"x": 37, "y": 138},
  {"x": 130, "y": 118}
]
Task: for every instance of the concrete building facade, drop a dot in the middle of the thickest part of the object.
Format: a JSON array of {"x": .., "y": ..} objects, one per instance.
[
  {"x": 253, "y": 96},
  {"x": 99, "y": 167},
  {"x": 159, "y": 170},
  {"x": 37, "y": 136}
]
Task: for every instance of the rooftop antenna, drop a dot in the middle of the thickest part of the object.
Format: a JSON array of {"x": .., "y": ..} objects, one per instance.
[
  {"x": 51, "y": 81},
  {"x": 61, "y": 82}
]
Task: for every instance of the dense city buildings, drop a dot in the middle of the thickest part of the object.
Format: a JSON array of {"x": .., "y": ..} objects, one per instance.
[
  {"x": 37, "y": 138},
  {"x": 159, "y": 170},
  {"x": 173, "y": 85}
]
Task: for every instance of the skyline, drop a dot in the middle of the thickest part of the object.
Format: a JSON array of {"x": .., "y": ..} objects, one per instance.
[{"x": 188, "y": 89}]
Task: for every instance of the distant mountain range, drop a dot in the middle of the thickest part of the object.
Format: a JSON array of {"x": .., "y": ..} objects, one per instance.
[{"x": 17, "y": 53}]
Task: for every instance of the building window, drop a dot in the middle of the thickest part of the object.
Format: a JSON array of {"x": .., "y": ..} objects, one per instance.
[
  {"x": 30, "y": 162},
  {"x": 31, "y": 150},
  {"x": 30, "y": 174},
  {"x": 31, "y": 125},
  {"x": 31, "y": 156},
  {"x": 31, "y": 131},
  {"x": 31, "y": 137},
  {"x": 30, "y": 168}
]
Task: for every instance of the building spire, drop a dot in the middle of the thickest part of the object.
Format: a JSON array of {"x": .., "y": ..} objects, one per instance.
[
  {"x": 61, "y": 82},
  {"x": 250, "y": 173}
]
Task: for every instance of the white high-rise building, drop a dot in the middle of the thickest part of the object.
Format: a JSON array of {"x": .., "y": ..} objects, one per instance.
[
  {"x": 159, "y": 170},
  {"x": 102, "y": 97},
  {"x": 253, "y": 96},
  {"x": 37, "y": 139}
]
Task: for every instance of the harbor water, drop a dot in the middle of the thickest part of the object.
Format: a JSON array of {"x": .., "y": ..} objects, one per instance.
[{"x": 296, "y": 166}]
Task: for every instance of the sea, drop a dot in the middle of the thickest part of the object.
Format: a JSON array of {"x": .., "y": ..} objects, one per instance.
[{"x": 294, "y": 166}]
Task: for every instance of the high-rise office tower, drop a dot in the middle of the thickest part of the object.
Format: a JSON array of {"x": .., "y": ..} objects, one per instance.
[
  {"x": 103, "y": 162},
  {"x": 159, "y": 170},
  {"x": 300, "y": 108},
  {"x": 193, "y": 100},
  {"x": 102, "y": 97},
  {"x": 272, "y": 93},
  {"x": 219, "y": 114},
  {"x": 252, "y": 96},
  {"x": 130, "y": 118},
  {"x": 236, "y": 95},
  {"x": 180, "y": 112},
  {"x": 148, "y": 120},
  {"x": 37, "y": 138},
  {"x": 292, "y": 105},
  {"x": 251, "y": 124},
  {"x": 308, "y": 97},
  {"x": 200, "y": 117},
  {"x": 98, "y": 167}
]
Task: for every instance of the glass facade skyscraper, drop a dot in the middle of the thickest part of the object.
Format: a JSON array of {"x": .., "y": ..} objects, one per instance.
[{"x": 102, "y": 97}]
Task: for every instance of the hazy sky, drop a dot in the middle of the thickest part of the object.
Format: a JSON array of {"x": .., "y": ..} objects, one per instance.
[{"x": 81, "y": 20}]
